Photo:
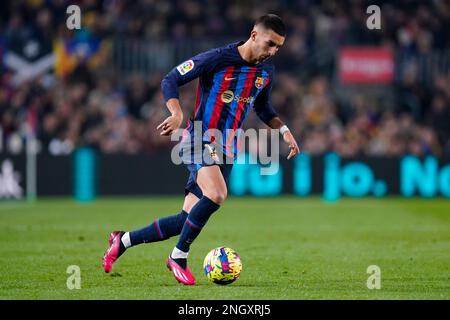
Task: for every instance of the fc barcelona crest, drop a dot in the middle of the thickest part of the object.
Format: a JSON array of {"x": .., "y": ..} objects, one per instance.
[{"x": 259, "y": 82}]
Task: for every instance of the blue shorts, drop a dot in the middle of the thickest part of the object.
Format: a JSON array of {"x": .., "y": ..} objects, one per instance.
[
  {"x": 194, "y": 161},
  {"x": 192, "y": 186}
]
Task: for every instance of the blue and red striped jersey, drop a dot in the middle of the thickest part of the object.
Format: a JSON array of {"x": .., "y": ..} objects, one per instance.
[{"x": 228, "y": 88}]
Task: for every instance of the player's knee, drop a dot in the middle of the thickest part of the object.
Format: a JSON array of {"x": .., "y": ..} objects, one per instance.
[{"x": 218, "y": 196}]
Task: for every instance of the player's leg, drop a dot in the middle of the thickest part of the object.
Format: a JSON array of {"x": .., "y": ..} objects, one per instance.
[
  {"x": 160, "y": 229},
  {"x": 189, "y": 201},
  {"x": 214, "y": 189}
]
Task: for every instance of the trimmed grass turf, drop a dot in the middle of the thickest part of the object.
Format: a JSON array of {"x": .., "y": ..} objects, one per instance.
[{"x": 291, "y": 248}]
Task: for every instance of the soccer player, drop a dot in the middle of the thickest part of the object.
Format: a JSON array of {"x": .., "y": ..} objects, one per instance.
[{"x": 232, "y": 80}]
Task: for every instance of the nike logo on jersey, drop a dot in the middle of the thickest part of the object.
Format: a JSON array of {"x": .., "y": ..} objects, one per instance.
[{"x": 229, "y": 79}]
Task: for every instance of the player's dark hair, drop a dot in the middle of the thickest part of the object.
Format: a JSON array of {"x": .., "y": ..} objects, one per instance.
[{"x": 272, "y": 22}]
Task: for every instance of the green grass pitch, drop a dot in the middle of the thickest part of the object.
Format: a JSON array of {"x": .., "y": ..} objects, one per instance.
[{"x": 291, "y": 248}]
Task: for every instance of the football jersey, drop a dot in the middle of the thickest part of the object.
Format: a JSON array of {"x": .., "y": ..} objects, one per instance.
[{"x": 228, "y": 87}]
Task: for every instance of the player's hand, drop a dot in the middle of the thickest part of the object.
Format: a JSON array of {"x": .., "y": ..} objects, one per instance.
[
  {"x": 290, "y": 140},
  {"x": 171, "y": 124}
]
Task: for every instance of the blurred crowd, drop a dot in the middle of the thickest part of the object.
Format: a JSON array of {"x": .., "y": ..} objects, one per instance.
[
  {"x": 92, "y": 106},
  {"x": 363, "y": 127}
]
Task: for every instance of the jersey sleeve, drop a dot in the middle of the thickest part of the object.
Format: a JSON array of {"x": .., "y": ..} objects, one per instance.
[
  {"x": 263, "y": 103},
  {"x": 187, "y": 71}
]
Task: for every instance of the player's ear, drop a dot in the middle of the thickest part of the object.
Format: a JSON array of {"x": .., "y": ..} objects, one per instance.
[{"x": 253, "y": 35}]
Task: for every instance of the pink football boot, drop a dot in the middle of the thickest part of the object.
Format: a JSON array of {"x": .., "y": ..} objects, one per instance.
[
  {"x": 182, "y": 275},
  {"x": 113, "y": 252}
]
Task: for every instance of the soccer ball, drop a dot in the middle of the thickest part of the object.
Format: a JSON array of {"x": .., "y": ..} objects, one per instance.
[{"x": 222, "y": 265}]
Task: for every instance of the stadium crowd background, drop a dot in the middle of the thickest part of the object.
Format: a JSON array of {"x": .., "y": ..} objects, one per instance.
[{"x": 85, "y": 100}]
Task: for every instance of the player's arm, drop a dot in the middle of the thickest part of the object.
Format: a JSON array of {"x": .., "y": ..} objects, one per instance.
[
  {"x": 264, "y": 110},
  {"x": 276, "y": 123},
  {"x": 178, "y": 76}
]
